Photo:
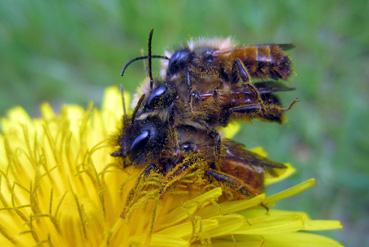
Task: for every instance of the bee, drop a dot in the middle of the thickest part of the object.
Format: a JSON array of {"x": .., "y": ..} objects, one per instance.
[
  {"x": 164, "y": 135},
  {"x": 207, "y": 72},
  {"x": 147, "y": 136},
  {"x": 216, "y": 67},
  {"x": 221, "y": 61},
  {"x": 232, "y": 165}
]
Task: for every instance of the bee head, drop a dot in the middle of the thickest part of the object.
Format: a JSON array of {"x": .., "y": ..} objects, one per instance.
[
  {"x": 201, "y": 57},
  {"x": 179, "y": 60},
  {"x": 161, "y": 97},
  {"x": 143, "y": 140}
]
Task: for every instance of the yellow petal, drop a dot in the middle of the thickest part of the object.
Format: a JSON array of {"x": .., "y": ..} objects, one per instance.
[
  {"x": 290, "y": 191},
  {"x": 231, "y": 130}
]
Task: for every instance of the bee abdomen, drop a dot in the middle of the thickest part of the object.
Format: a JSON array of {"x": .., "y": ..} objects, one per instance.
[
  {"x": 280, "y": 65},
  {"x": 265, "y": 61}
]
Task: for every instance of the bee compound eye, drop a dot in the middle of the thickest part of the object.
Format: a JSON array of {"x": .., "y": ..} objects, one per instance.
[
  {"x": 156, "y": 95},
  {"x": 140, "y": 141},
  {"x": 161, "y": 97},
  {"x": 178, "y": 60}
]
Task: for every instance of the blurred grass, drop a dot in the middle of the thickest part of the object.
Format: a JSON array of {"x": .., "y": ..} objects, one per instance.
[{"x": 69, "y": 51}]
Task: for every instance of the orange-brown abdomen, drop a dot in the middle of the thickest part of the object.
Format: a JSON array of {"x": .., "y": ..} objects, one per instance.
[
  {"x": 253, "y": 177},
  {"x": 264, "y": 61}
]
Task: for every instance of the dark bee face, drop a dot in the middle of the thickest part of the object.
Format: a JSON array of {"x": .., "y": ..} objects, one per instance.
[{"x": 143, "y": 140}]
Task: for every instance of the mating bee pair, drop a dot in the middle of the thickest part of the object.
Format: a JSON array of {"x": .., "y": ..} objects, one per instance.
[{"x": 203, "y": 87}]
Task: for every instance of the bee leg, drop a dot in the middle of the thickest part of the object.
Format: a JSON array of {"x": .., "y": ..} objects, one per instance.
[
  {"x": 192, "y": 94},
  {"x": 289, "y": 107},
  {"x": 194, "y": 98},
  {"x": 217, "y": 144},
  {"x": 273, "y": 110},
  {"x": 272, "y": 113},
  {"x": 247, "y": 111},
  {"x": 240, "y": 72},
  {"x": 265, "y": 207},
  {"x": 232, "y": 182},
  {"x": 250, "y": 108},
  {"x": 244, "y": 75}
]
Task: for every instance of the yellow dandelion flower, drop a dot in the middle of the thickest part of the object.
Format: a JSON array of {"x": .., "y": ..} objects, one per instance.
[{"x": 60, "y": 187}]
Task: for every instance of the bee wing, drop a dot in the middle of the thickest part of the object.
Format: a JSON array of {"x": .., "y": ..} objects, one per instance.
[
  {"x": 265, "y": 87},
  {"x": 236, "y": 152},
  {"x": 283, "y": 46},
  {"x": 286, "y": 46}
]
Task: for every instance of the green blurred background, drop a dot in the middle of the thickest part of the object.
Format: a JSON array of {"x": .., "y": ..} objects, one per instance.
[{"x": 69, "y": 51}]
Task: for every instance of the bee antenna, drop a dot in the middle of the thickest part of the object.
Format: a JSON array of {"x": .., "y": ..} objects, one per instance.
[
  {"x": 124, "y": 104},
  {"x": 140, "y": 58},
  {"x": 149, "y": 57}
]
